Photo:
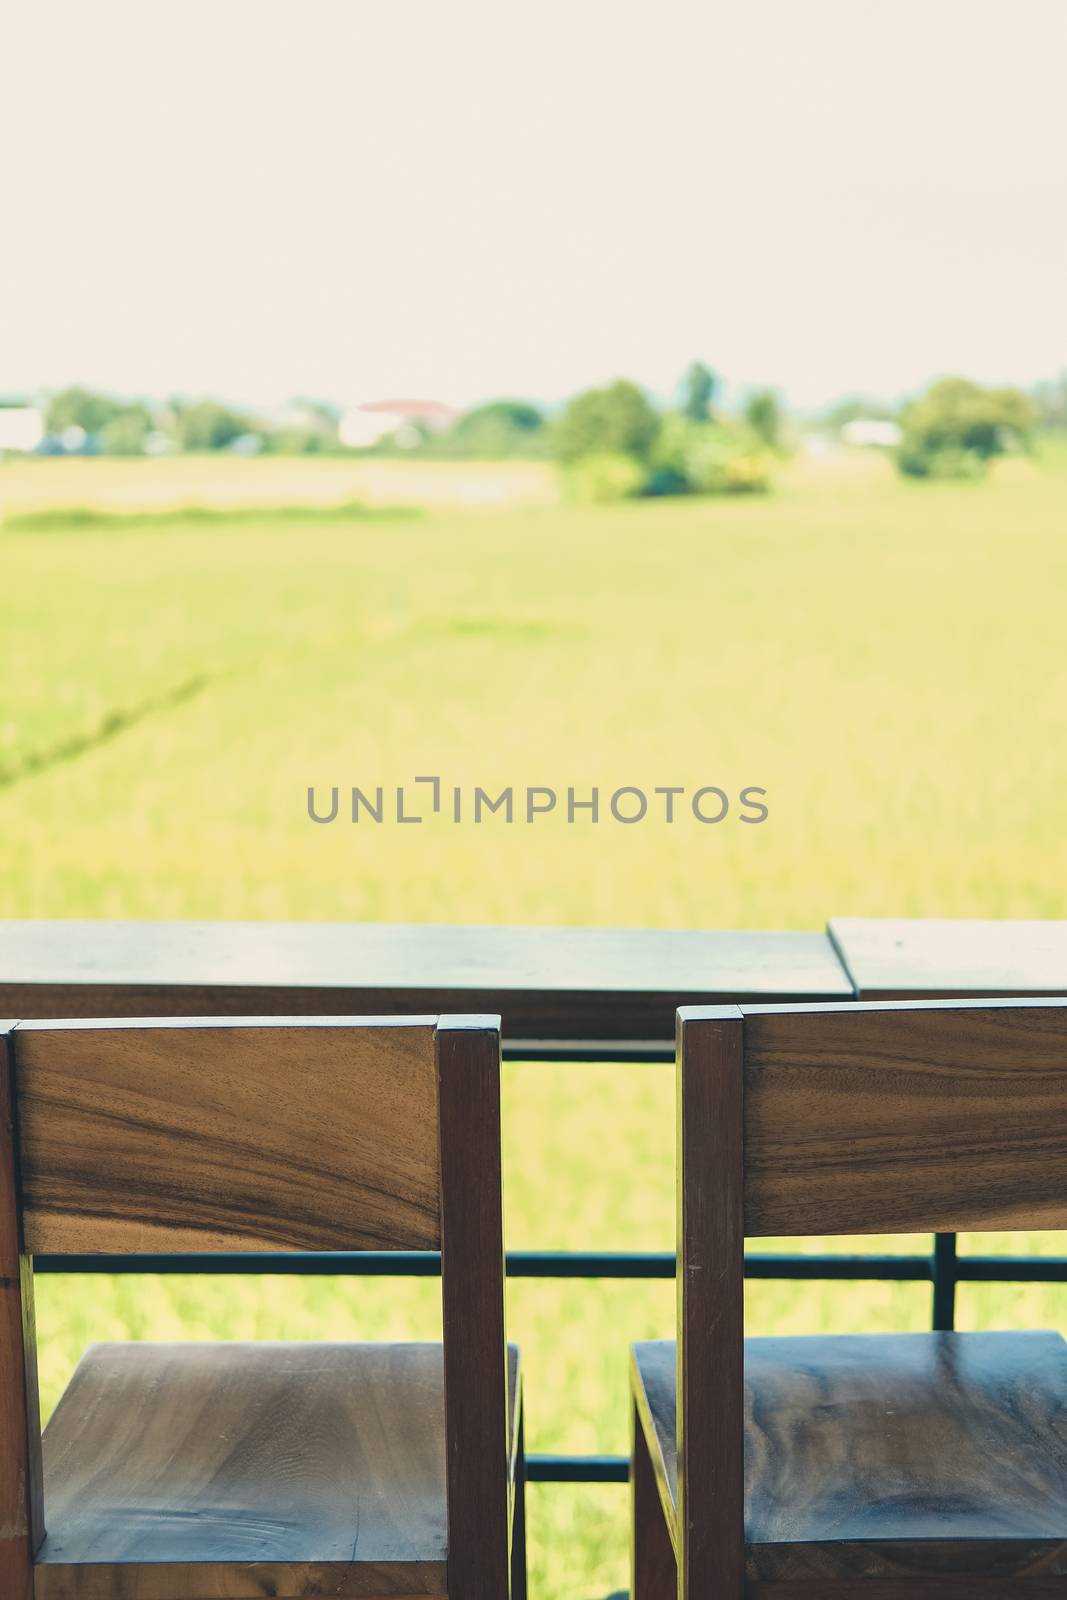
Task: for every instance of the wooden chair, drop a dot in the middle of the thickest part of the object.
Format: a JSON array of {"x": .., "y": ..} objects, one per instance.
[
  {"x": 911, "y": 1467},
  {"x": 239, "y": 1471}
]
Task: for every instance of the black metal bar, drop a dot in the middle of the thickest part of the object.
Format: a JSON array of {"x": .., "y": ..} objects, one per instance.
[
  {"x": 573, "y": 1264},
  {"x": 585, "y": 1051},
  {"x": 904, "y": 1269},
  {"x": 945, "y": 1270},
  {"x": 577, "y": 1469},
  {"x": 297, "y": 1263},
  {"x": 589, "y": 1264},
  {"x": 520, "y": 1264},
  {"x": 1011, "y": 1269}
]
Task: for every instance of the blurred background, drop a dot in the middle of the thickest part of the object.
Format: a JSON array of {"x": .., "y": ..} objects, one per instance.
[{"x": 570, "y": 395}]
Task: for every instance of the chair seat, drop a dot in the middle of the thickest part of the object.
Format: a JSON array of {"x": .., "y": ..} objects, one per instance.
[
  {"x": 220, "y": 1471},
  {"x": 889, "y": 1456}
]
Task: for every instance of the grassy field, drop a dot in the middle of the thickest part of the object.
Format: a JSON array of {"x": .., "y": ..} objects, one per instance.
[
  {"x": 887, "y": 660},
  {"x": 230, "y": 482}
]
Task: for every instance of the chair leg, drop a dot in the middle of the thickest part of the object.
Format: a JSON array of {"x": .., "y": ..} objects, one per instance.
[
  {"x": 518, "y": 1517},
  {"x": 653, "y": 1569}
]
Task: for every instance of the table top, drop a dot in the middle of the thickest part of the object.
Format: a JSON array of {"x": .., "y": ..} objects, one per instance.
[
  {"x": 935, "y": 958},
  {"x": 547, "y": 983}
]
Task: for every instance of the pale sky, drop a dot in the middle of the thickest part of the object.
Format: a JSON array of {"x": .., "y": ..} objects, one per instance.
[{"x": 462, "y": 198}]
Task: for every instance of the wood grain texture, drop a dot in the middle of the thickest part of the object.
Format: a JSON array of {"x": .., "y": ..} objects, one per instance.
[
  {"x": 233, "y": 1470},
  {"x": 890, "y": 958},
  {"x": 472, "y": 1293},
  {"x": 896, "y": 1457},
  {"x": 653, "y": 1565},
  {"x": 236, "y": 1471},
  {"x": 21, "y": 1497},
  {"x": 516, "y": 1410},
  {"x": 908, "y": 1118},
  {"x": 548, "y": 983},
  {"x": 654, "y": 1391},
  {"x": 213, "y": 1136},
  {"x": 710, "y": 1421}
]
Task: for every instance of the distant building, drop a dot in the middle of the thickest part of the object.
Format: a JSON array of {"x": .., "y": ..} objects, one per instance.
[
  {"x": 872, "y": 431},
  {"x": 362, "y": 426},
  {"x": 21, "y": 428}
]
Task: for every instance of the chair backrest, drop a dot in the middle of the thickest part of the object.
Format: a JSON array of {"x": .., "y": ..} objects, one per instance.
[
  {"x": 215, "y": 1135},
  {"x": 846, "y": 1119},
  {"x": 251, "y": 1134}
]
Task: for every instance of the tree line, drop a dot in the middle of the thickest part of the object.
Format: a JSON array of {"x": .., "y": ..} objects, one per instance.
[{"x": 611, "y": 441}]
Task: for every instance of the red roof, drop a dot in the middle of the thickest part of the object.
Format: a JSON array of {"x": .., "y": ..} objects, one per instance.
[{"x": 414, "y": 409}]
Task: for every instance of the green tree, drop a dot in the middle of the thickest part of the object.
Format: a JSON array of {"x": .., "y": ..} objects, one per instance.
[
  {"x": 126, "y": 432},
  {"x": 957, "y": 426},
  {"x": 500, "y": 428},
  {"x": 80, "y": 408},
  {"x": 207, "y": 425},
  {"x": 699, "y": 388},
  {"x": 615, "y": 420},
  {"x": 763, "y": 414},
  {"x": 519, "y": 415}
]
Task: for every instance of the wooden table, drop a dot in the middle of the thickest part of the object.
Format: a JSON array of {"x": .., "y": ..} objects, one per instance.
[
  {"x": 934, "y": 959},
  {"x": 549, "y": 984}
]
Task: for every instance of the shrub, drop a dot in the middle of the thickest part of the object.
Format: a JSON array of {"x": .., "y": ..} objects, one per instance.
[
  {"x": 917, "y": 460},
  {"x": 604, "y": 478},
  {"x": 708, "y": 458},
  {"x": 957, "y": 426}
]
